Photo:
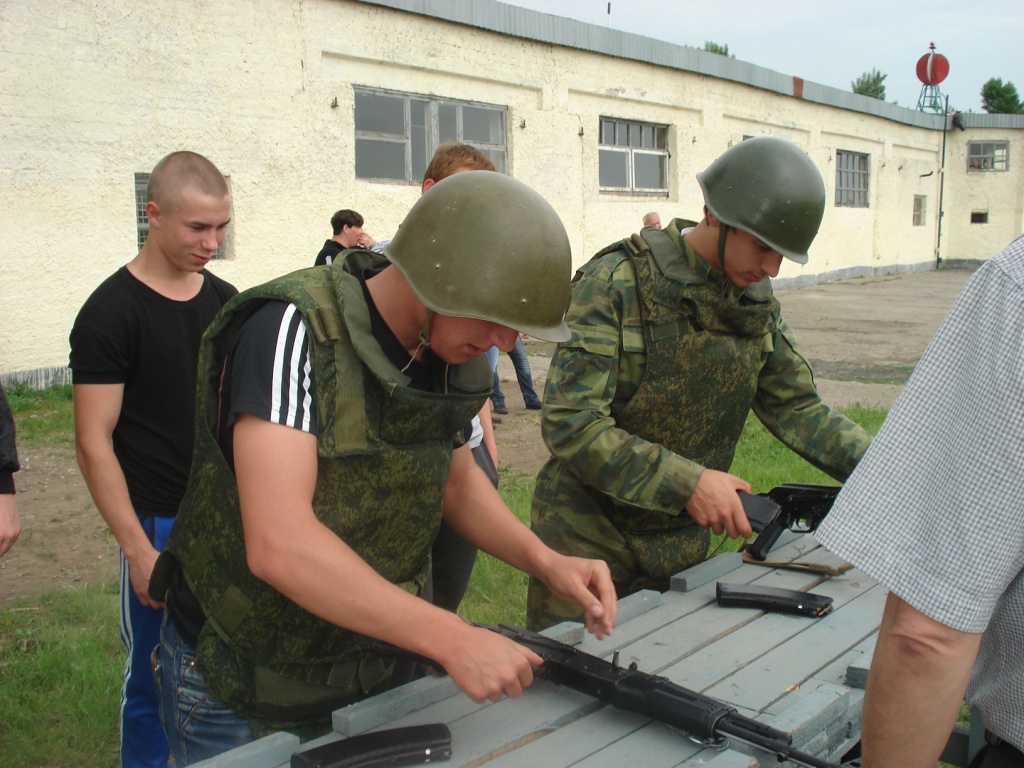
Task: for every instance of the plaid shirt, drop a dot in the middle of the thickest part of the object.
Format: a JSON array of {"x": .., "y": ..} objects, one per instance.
[{"x": 934, "y": 510}]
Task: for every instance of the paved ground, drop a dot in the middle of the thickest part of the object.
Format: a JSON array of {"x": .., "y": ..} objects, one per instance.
[{"x": 862, "y": 336}]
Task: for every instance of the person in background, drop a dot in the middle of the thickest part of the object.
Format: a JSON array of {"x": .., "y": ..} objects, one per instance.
[
  {"x": 452, "y": 557},
  {"x": 10, "y": 522},
  {"x": 652, "y": 219},
  {"x": 676, "y": 336},
  {"x": 933, "y": 513},
  {"x": 524, "y": 377},
  {"x": 134, "y": 348},
  {"x": 347, "y": 226}
]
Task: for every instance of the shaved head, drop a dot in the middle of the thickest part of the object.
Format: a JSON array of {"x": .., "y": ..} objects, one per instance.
[{"x": 184, "y": 170}]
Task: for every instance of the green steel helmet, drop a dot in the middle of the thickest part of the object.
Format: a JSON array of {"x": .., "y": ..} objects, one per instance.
[
  {"x": 769, "y": 188},
  {"x": 482, "y": 245}
]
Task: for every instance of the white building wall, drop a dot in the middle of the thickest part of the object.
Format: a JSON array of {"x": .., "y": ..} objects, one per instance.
[
  {"x": 999, "y": 194},
  {"x": 92, "y": 93}
]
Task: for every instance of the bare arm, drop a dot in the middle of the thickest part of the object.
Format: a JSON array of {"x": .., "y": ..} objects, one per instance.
[
  {"x": 477, "y": 513},
  {"x": 97, "y": 407},
  {"x": 287, "y": 547},
  {"x": 10, "y": 523},
  {"x": 488, "y": 428},
  {"x": 916, "y": 685}
]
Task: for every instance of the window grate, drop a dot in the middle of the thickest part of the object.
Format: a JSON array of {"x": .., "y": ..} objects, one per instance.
[
  {"x": 851, "y": 179},
  {"x": 920, "y": 203}
]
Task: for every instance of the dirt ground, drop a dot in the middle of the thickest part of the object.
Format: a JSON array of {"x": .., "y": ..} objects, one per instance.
[{"x": 862, "y": 336}]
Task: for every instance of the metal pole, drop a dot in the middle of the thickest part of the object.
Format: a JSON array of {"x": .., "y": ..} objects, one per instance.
[{"x": 942, "y": 186}]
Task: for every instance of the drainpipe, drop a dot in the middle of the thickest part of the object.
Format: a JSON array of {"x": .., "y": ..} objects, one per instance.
[{"x": 942, "y": 185}]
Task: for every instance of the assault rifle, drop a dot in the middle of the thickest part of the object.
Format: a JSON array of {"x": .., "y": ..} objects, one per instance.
[
  {"x": 705, "y": 720},
  {"x": 797, "y": 507}
]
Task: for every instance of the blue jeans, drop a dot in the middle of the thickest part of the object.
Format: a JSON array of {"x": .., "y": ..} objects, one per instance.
[
  {"x": 142, "y": 736},
  {"x": 198, "y": 725},
  {"x": 524, "y": 375}
]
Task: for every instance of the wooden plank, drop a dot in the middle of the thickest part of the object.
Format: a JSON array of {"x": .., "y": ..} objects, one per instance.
[
  {"x": 653, "y": 746},
  {"x": 378, "y": 711},
  {"x": 268, "y": 752},
  {"x": 727, "y": 759},
  {"x": 823, "y": 719},
  {"x": 686, "y": 636},
  {"x": 481, "y": 732},
  {"x": 802, "y": 654},
  {"x": 851, "y": 669},
  {"x": 573, "y": 742}
]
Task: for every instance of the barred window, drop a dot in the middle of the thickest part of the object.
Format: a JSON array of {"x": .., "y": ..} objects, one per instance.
[
  {"x": 397, "y": 133},
  {"x": 988, "y": 156},
  {"x": 632, "y": 156},
  {"x": 851, "y": 179},
  {"x": 919, "y": 210},
  {"x": 142, "y": 221}
]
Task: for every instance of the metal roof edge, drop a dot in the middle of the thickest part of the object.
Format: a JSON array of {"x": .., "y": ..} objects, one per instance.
[{"x": 537, "y": 26}]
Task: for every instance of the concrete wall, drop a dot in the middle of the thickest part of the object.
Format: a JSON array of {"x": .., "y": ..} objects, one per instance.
[{"x": 92, "y": 93}]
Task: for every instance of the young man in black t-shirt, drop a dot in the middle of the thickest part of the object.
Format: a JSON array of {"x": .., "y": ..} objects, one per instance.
[{"x": 134, "y": 349}]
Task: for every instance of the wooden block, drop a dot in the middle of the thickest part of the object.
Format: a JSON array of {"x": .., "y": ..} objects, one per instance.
[
  {"x": 708, "y": 571},
  {"x": 857, "y": 675},
  {"x": 568, "y": 632},
  {"x": 268, "y": 752},
  {"x": 384, "y": 708},
  {"x": 636, "y": 604}
]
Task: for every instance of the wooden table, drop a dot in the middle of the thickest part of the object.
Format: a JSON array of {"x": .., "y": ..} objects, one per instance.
[{"x": 801, "y": 675}]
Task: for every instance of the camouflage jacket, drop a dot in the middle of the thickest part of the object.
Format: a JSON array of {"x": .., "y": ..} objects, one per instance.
[{"x": 595, "y": 374}]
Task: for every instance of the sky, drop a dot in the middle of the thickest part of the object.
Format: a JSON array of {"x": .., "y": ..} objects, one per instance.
[{"x": 834, "y": 43}]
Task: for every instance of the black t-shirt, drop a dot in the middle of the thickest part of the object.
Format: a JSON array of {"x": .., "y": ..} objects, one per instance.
[
  {"x": 127, "y": 333},
  {"x": 326, "y": 256}
]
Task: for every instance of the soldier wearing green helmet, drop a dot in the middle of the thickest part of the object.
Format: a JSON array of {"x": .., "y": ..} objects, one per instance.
[
  {"x": 331, "y": 414},
  {"x": 676, "y": 336}
]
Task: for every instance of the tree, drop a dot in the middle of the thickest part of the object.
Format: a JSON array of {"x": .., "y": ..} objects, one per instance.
[
  {"x": 1000, "y": 98},
  {"x": 870, "y": 84},
  {"x": 712, "y": 47}
]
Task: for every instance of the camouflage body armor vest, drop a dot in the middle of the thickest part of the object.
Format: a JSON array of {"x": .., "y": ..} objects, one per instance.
[
  {"x": 383, "y": 456},
  {"x": 704, "y": 351}
]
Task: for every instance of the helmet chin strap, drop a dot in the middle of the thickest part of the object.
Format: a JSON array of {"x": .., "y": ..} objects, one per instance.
[
  {"x": 424, "y": 338},
  {"x": 723, "y": 230}
]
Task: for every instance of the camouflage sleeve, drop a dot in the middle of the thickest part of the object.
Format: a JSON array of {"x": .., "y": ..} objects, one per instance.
[
  {"x": 788, "y": 404},
  {"x": 591, "y": 377}
]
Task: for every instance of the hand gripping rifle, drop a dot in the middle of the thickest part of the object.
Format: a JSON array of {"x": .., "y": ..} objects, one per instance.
[
  {"x": 797, "y": 507},
  {"x": 705, "y": 720}
]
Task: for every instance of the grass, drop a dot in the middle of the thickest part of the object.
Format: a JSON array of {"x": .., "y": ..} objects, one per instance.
[
  {"x": 61, "y": 659},
  {"x": 44, "y": 417},
  {"x": 60, "y": 670}
]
